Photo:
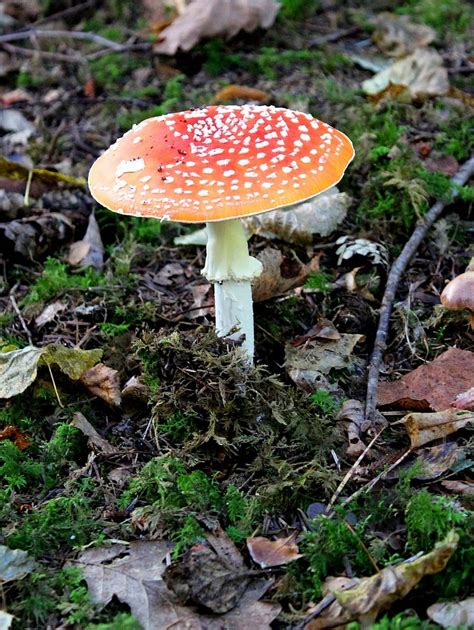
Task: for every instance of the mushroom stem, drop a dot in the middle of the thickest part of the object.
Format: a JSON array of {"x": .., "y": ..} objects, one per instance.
[{"x": 230, "y": 268}]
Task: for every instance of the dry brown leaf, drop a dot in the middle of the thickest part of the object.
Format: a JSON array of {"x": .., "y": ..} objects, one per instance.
[
  {"x": 273, "y": 553},
  {"x": 88, "y": 252},
  {"x": 280, "y": 274},
  {"x": 352, "y": 414},
  {"x": 13, "y": 433},
  {"x": 446, "y": 164},
  {"x": 240, "y": 92},
  {"x": 464, "y": 400},
  {"x": 371, "y": 595},
  {"x": 397, "y": 36},
  {"x": 460, "y": 487},
  {"x": 49, "y": 313},
  {"x": 324, "y": 329},
  {"x": 298, "y": 224},
  {"x": 215, "y": 18},
  {"x": 433, "y": 385},
  {"x": 322, "y": 355},
  {"x": 426, "y": 427},
  {"x": 422, "y": 74},
  {"x": 80, "y": 422},
  {"x": 432, "y": 462},
  {"x": 134, "y": 575},
  {"x": 453, "y": 614},
  {"x": 103, "y": 382}
]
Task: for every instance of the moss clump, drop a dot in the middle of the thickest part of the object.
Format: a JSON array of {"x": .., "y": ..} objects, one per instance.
[
  {"x": 55, "y": 278},
  {"x": 175, "y": 496},
  {"x": 428, "y": 519}
]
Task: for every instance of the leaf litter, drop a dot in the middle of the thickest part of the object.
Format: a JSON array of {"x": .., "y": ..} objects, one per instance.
[{"x": 166, "y": 432}]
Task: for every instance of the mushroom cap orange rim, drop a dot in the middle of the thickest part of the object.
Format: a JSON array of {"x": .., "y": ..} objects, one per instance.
[{"x": 219, "y": 162}]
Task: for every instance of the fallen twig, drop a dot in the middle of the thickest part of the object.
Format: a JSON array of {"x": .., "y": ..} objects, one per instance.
[
  {"x": 396, "y": 271},
  {"x": 49, "y": 34}
]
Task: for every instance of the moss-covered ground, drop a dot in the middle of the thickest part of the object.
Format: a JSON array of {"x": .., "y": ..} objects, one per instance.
[{"x": 192, "y": 441}]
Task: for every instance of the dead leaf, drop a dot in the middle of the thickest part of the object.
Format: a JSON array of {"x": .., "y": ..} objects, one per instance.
[
  {"x": 15, "y": 96},
  {"x": 352, "y": 414},
  {"x": 89, "y": 252},
  {"x": 464, "y": 400},
  {"x": 164, "y": 277},
  {"x": 322, "y": 356},
  {"x": 72, "y": 361},
  {"x": 240, "y": 92},
  {"x": 426, "y": 427},
  {"x": 371, "y": 595},
  {"x": 18, "y": 127},
  {"x": 446, "y": 164},
  {"x": 49, "y": 313},
  {"x": 134, "y": 575},
  {"x": 459, "y": 487},
  {"x": 52, "y": 179},
  {"x": 453, "y": 614},
  {"x": 13, "y": 433},
  {"x": 280, "y": 274},
  {"x": 203, "y": 577},
  {"x": 436, "y": 460},
  {"x": 214, "y": 18},
  {"x": 433, "y": 385},
  {"x": 398, "y": 36},
  {"x": 37, "y": 235},
  {"x": 422, "y": 74},
  {"x": 298, "y": 224},
  {"x": 136, "y": 390},
  {"x": 15, "y": 564},
  {"x": 21, "y": 10},
  {"x": 80, "y": 422},
  {"x": 18, "y": 369},
  {"x": 324, "y": 329},
  {"x": 273, "y": 553},
  {"x": 103, "y": 381}
]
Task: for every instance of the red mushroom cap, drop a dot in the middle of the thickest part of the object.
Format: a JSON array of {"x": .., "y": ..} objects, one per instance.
[{"x": 219, "y": 162}]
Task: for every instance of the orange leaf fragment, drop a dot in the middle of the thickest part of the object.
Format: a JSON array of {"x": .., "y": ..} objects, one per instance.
[
  {"x": 240, "y": 92},
  {"x": 273, "y": 553},
  {"x": 13, "y": 433}
]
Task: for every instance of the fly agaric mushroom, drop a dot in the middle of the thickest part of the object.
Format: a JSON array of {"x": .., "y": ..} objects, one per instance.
[
  {"x": 459, "y": 293},
  {"x": 215, "y": 165}
]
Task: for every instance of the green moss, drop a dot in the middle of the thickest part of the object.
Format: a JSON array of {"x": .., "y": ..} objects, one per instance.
[
  {"x": 325, "y": 402},
  {"x": 428, "y": 519},
  {"x": 17, "y": 471},
  {"x": 175, "y": 496},
  {"x": 55, "y": 278},
  {"x": 122, "y": 621},
  {"x": 173, "y": 94},
  {"x": 272, "y": 62},
  {"x": 326, "y": 550},
  {"x": 445, "y": 16},
  {"x": 62, "y": 523},
  {"x": 319, "y": 280},
  {"x": 299, "y": 9},
  {"x": 402, "y": 621},
  {"x": 112, "y": 70}
]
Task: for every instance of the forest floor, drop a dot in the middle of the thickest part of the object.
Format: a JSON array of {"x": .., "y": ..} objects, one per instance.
[{"x": 135, "y": 439}]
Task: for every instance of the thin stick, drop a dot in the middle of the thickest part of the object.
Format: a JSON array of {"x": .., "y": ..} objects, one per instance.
[
  {"x": 42, "y": 34},
  {"x": 20, "y": 317},
  {"x": 368, "y": 486},
  {"x": 351, "y": 470},
  {"x": 398, "y": 268},
  {"x": 54, "y": 385},
  {"x": 30, "y": 52}
]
